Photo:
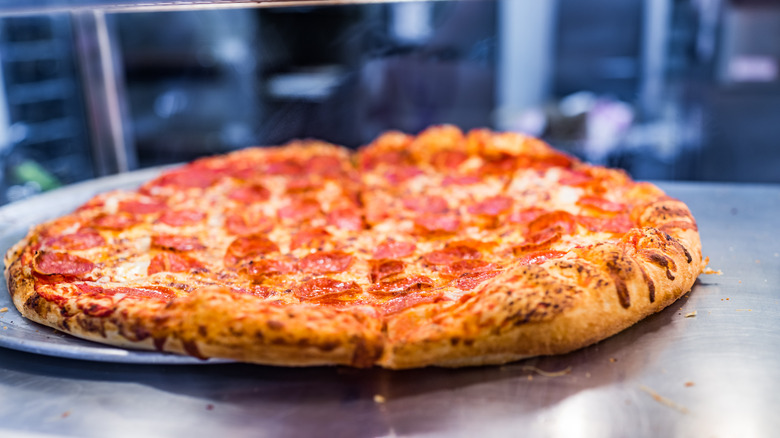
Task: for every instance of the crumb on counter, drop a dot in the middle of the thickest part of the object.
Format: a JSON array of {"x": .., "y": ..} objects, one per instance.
[
  {"x": 710, "y": 271},
  {"x": 690, "y": 314},
  {"x": 3, "y": 310},
  {"x": 688, "y": 384}
]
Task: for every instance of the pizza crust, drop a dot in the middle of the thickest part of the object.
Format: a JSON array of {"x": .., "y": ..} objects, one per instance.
[{"x": 555, "y": 307}]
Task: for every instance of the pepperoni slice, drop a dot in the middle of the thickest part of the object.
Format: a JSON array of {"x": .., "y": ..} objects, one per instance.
[
  {"x": 289, "y": 166},
  {"x": 391, "y": 249},
  {"x": 171, "y": 262},
  {"x": 462, "y": 267},
  {"x": 539, "y": 240},
  {"x": 310, "y": 238},
  {"x": 142, "y": 206},
  {"x": 414, "y": 283},
  {"x": 325, "y": 165},
  {"x": 601, "y": 204},
  {"x": 470, "y": 280},
  {"x": 448, "y": 159},
  {"x": 502, "y": 165},
  {"x": 323, "y": 287},
  {"x": 248, "y": 222},
  {"x": 177, "y": 243},
  {"x": 526, "y": 216},
  {"x": 179, "y": 218},
  {"x": 371, "y": 159},
  {"x": 560, "y": 221},
  {"x": 493, "y": 206},
  {"x": 61, "y": 263},
  {"x": 348, "y": 219},
  {"x": 403, "y": 302},
  {"x": 621, "y": 223},
  {"x": 300, "y": 210},
  {"x": 426, "y": 204},
  {"x": 381, "y": 269},
  {"x": 248, "y": 248},
  {"x": 452, "y": 254},
  {"x": 147, "y": 292},
  {"x": 84, "y": 238},
  {"x": 574, "y": 177},
  {"x": 265, "y": 267},
  {"x": 325, "y": 262},
  {"x": 249, "y": 194},
  {"x": 438, "y": 223},
  {"x": 188, "y": 177},
  {"x": 460, "y": 180},
  {"x": 401, "y": 174},
  {"x": 116, "y": 222},
  {"x": 539, "y": 257}
]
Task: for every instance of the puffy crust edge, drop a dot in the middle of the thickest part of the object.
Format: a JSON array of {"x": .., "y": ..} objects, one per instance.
[
  {"x": 212, "y": 322},
  {"x": 561, "y": 305}
]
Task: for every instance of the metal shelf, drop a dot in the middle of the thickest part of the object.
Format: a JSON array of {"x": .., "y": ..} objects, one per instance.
[{"x": 25, "y": 7}]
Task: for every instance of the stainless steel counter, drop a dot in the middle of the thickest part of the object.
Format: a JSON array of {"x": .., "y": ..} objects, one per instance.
[{"x": 712, "y": 373}]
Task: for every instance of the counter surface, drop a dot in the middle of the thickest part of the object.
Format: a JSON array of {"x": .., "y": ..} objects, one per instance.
[{"x": 708, "y": 366}]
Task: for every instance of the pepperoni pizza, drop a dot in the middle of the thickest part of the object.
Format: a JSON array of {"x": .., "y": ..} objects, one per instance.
[{"x": 445, "y": 248}]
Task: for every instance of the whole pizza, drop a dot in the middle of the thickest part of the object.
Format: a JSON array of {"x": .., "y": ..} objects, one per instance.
[{"x": 445, "y": 248}]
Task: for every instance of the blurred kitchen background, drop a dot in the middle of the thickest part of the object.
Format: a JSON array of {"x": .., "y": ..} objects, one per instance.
[{"x": 667, "y": 89}]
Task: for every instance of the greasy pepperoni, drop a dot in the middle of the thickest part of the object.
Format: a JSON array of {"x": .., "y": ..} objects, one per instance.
[
  {"x": 302, "y": 185},
  {"x": 247, "y": 222},
  {"x": 460, "y": 180},
  {"x": 574, "y": 177},
  {"x": 526, "y": 216},
  {"x": 553, "y": 159},
  {"x": 601, "y": 204},
  {"x": 381, "y": 269},
  {"x": 448, "y": 159},
  {"x": 300, "y": 210},
  {"x": 426, "y": 204},
  {"x": 346, "y": 219},
  {"x": 538, "y": 257},
  {"x": 492, "y": 206},
  {"x": 462, "y": 267},
  {"x": 370, "y": 160},
  {"x": 310, "y": 238},
  {"x": 560, "y": 221},
  {"x": 452, "y": 254},
  {"x": 438, "y": 223},
  {"x": 415, "y": 283},
  {"x": 171, "y": 262},
  {"x": 44, "y": 289},
  {"x": 401, "y": 174},
  {"x": 392, "y": 249},
  {"x": 117, "y": 222},
  {"x": 159, "y": 292},
  {"x": 146, "y": 206},
  {"x": 266, "y": 267},
  {"x": 470, "y": 280},
  {"x": 249, "y": 194},
  {"x": 325, "y": 165},
  {"x": 178, "y": 218},
  {"x": 84, "y": 238},
  {"x": 619, "y": 224},
  {"x": 177, "y": 243},
  {"x": 323, "y": 286},
  {"x": 404, "y": 302},
  {"x": 538, "y": 240},
  {"x": 503, "y": 165},
  {"x": 288, "y": 166},
  {"x": 248, "y": 248},
  {"x": 326, "y": 262},
  {"x": 188, "y": 177},
  {"x": 61, "y": 263}
]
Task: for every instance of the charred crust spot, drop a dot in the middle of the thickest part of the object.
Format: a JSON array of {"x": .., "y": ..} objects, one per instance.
[
  {"x": 159, "y": 342},
  {"x": 365, "y": 354},
  {"x": 468, "y": 342},
  {"x": 688, "y": 257},
  {"x": 328, "y": 346},
  {"x": 617, "y": 269},
  {"x": 454, "y": 341},
  {"x": 191, "y": 347},
  {"x": 275, "y": 325},
  {"x": 203, "y": 331},
  {"x": 649, "y": 281}
]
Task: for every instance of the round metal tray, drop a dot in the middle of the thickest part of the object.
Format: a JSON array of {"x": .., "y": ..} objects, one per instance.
[{"x": 19, "y": 333}]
